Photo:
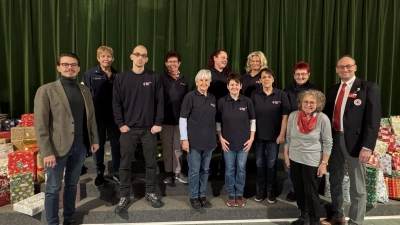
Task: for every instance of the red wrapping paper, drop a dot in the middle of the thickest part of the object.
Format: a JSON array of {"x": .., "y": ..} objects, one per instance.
[
  {"x": 4, "y": 190},
  {"x": 5, "y": 134},
  {"x": 394, "y": 188},
  {"x": 27, "y": 120},
  {"x": 22, "y": 161},
  {"x": 373, "y": 161}
]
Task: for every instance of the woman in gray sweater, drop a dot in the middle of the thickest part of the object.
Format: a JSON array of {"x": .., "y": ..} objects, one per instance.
[{"x": 307, "y": 150}]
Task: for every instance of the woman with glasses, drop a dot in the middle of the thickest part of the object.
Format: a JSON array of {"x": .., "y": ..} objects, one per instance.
[
  {"x": 307, "y": 150},
  {"x": 301, "y": 74}
]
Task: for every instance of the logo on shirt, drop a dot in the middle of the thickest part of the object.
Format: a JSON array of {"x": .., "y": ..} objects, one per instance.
[
  {"x": 97, "y": 78},
  {"x": 357, "y": 102},
  {"x": 212, "y": 105},
  {"x": 258, "y": 82},
  {"x": 146, "y": 83},
  {"x": 242, "y": 108},
  {"x": 276, "y": 102},
  {"x": 183, "y": 84}
]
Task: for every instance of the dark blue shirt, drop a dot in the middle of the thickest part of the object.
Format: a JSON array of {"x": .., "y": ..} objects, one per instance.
[
  {"x": 293, "y": 90},
  {"x": 269, "y": 112},
  {"x": 174, "y": 92},
  {"x": 200, "y": 112},
  {"x": 101, "y": 88},
  {"x": 235, "y": 116},
  {"x": 250, "y": 84},
  {"x": 218, "y": 86}
]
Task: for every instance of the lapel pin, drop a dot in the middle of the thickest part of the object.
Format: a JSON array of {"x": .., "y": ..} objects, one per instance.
[{"x": 357, "y": 102}]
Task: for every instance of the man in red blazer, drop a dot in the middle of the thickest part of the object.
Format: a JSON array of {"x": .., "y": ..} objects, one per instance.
[{"x": 354, "y": 108}]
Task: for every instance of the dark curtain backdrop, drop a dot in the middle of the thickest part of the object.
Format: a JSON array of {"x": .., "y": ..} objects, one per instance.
[{"x": 34, "y": 32}]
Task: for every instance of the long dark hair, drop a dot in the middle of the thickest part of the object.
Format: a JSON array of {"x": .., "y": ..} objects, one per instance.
[{"x": 210, "y": 60}]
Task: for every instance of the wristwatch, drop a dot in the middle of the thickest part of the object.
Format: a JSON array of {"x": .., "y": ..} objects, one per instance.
[{"x": 323, "y": 162}]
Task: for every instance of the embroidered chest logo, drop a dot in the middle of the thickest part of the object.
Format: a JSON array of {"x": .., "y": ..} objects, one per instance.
[
  {"x": 183, "y": 84},
  {"x": 242, "y": 108},
  {"x": 258, "y": 82},
  {"x": 146, "y": 83},
  {"x": 212, "y": 105},
  {"x": 276, "y": 102}
]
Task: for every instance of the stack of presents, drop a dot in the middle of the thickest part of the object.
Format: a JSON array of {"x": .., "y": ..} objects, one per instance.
[
  {"x": 21, "y": 166},
  {"x": 383, "y": 170}
]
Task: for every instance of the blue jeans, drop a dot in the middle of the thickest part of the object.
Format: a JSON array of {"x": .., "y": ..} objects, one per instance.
[
  {"x": 199, "y": 163},
  {"x": 235, "y": 172},
  {"x": 72, "y": 162},
  {"x": 266, "y": 153},
  {"x": 113, "y": 133}
]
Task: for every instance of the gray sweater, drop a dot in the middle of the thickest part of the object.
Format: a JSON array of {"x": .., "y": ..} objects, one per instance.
[{"x": 307, "y": 149}]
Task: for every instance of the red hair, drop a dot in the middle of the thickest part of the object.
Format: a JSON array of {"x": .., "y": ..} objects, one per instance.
[{"x": 301, "y": 66}]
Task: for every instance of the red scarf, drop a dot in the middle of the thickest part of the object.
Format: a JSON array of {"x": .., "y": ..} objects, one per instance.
[
  {"x": 174, "y": 76},
  {"x": 306, "y": 125}
]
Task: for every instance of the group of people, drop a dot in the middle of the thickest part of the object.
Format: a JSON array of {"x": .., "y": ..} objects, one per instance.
[{"x": 244, "y": 112}]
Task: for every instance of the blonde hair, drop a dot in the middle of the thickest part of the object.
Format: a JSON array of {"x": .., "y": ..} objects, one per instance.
[
  {"x": 103, "y": 49},
  {"x": 260, "y": 55}
]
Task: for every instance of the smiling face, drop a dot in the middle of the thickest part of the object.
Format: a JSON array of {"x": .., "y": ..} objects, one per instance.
[
  {"x": 301, "y": 76},
  {"x": 234, "y": 87},
  {"x": 68, "y": 67},
  {"x": 255, "y": 63},
  {"x": 220, "y": 60},
  {"x": 266, "y": 79},
  {"x": 346, "y": 68},
  {"x": 173, "y": 65},
  {"x": 309, "y": 104},
  {"x": 105, "y": 59},
  {"x": 202, "y": 84}
]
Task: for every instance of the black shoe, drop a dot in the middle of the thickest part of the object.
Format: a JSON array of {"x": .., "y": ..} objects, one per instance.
[
  {"x": 99, "y": 181},
  {"x": 69, "y": 222},
  {"x": 304, "y": 219},
  {"x": 182, "y": 178},
  {"x": 205, "y": 203},
  {"x": 291, "y": 197},
  {"x": 271, "y": 197},
  {"x": 195, "y": 202},
  {"x": 152, "y": 198},
  {"x": 260, "y": 196},
  {"x": 116, "y": 177},
  {"x": 168, "y": 179},
  {"x": 121, "y": 206}
]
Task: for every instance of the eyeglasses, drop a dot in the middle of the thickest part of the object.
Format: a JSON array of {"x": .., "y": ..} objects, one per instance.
[
  {"x": 300, "y": 74},
  {"x": 173, "y": 62},
  {"x": 345, "y": 66},
  {"x": 307, "y": 102},
  {"x": 66, "y": 65},
  {"x": 137, "y": 54}
]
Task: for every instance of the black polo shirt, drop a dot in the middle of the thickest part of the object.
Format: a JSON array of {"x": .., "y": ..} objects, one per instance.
[
  {"x": 269, "y": 111},
  {"x": 235, "y": 116},
  {"x": 250, "y": 84},
  {"x": 218, "y": 86},
  {"x": 293, "y": 91},
  {"x": 200, "y": 112},
  {"x": 174, "y": 92}
]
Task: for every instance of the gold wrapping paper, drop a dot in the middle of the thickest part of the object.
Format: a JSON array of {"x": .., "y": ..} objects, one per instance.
[
  {"x": 29, "y": 132},
  {"x": 17, "y": 133},
  {"x": 17, "y": 144},
  {"x": 4, "y": 140},
  {"x": 29, "y": 143}
]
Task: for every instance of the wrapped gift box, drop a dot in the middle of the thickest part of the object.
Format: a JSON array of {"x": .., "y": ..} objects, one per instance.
[
  {"x": 22, "y": 161},
  {"x": 29, "y": 132},
  {"x": 396, "y": 161},
  {"x": 381, "y": 191},
  {"x": 373, "y": 160},
  {"x": 4, "y": 190},
  {"x": 8, "y": 124},
  {"x": 381, "y": 147},
  {"x": 395, "y": 122},
  {"x": 5, "y": 134},
  {"x": 394, "y": 188},
  {"x": 371, "y": 185},
  {"x": 30, "y": 206},
  {"x": 4, "y": 150},
  {"x": 4, "y": 140},
  {"x": 385, "y": 161},
  {"x": 40, "y": 168},
  {"x": 17, "y": 133},
  {"x": 61, "y": 198},
  {"x": 29, "y": 143},
  {"x": 385, "y": 122},
  {"x": 345, "y": 188},
  {"x": 27, "y": 120},
  {"x": 21, "y": 186}
]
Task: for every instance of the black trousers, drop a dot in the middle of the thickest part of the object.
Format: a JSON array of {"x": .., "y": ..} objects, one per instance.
[
  {"x": 128, "y": 142},
  {"x": 305, "y": 183}
]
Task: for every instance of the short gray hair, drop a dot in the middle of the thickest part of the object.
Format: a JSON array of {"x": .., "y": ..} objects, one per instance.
[
  {"x": 319, "y": 96},
  {"x": 203, "y": 74}
]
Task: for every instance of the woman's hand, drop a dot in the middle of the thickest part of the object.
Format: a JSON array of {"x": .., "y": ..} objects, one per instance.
[
  {"x": 224, "y": 144},
  {"x": 280, "y": 139},
  {"x": 321, "y": 170},
  {"x": 185, "y": 145},
  {"x": 287, "y": 160},
  {"x": 247, "y": 145}
]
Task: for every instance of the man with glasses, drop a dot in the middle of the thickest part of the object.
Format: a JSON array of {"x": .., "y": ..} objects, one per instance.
[
  {"x": 354, "y": 108},
  {"x": 138, "y": 106},
  {"x": 65, "y": 127},
  {"x": 301, "y": 74}
]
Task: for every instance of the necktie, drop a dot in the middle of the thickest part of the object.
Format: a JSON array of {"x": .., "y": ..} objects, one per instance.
[{"x": 338, "y": 108}]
